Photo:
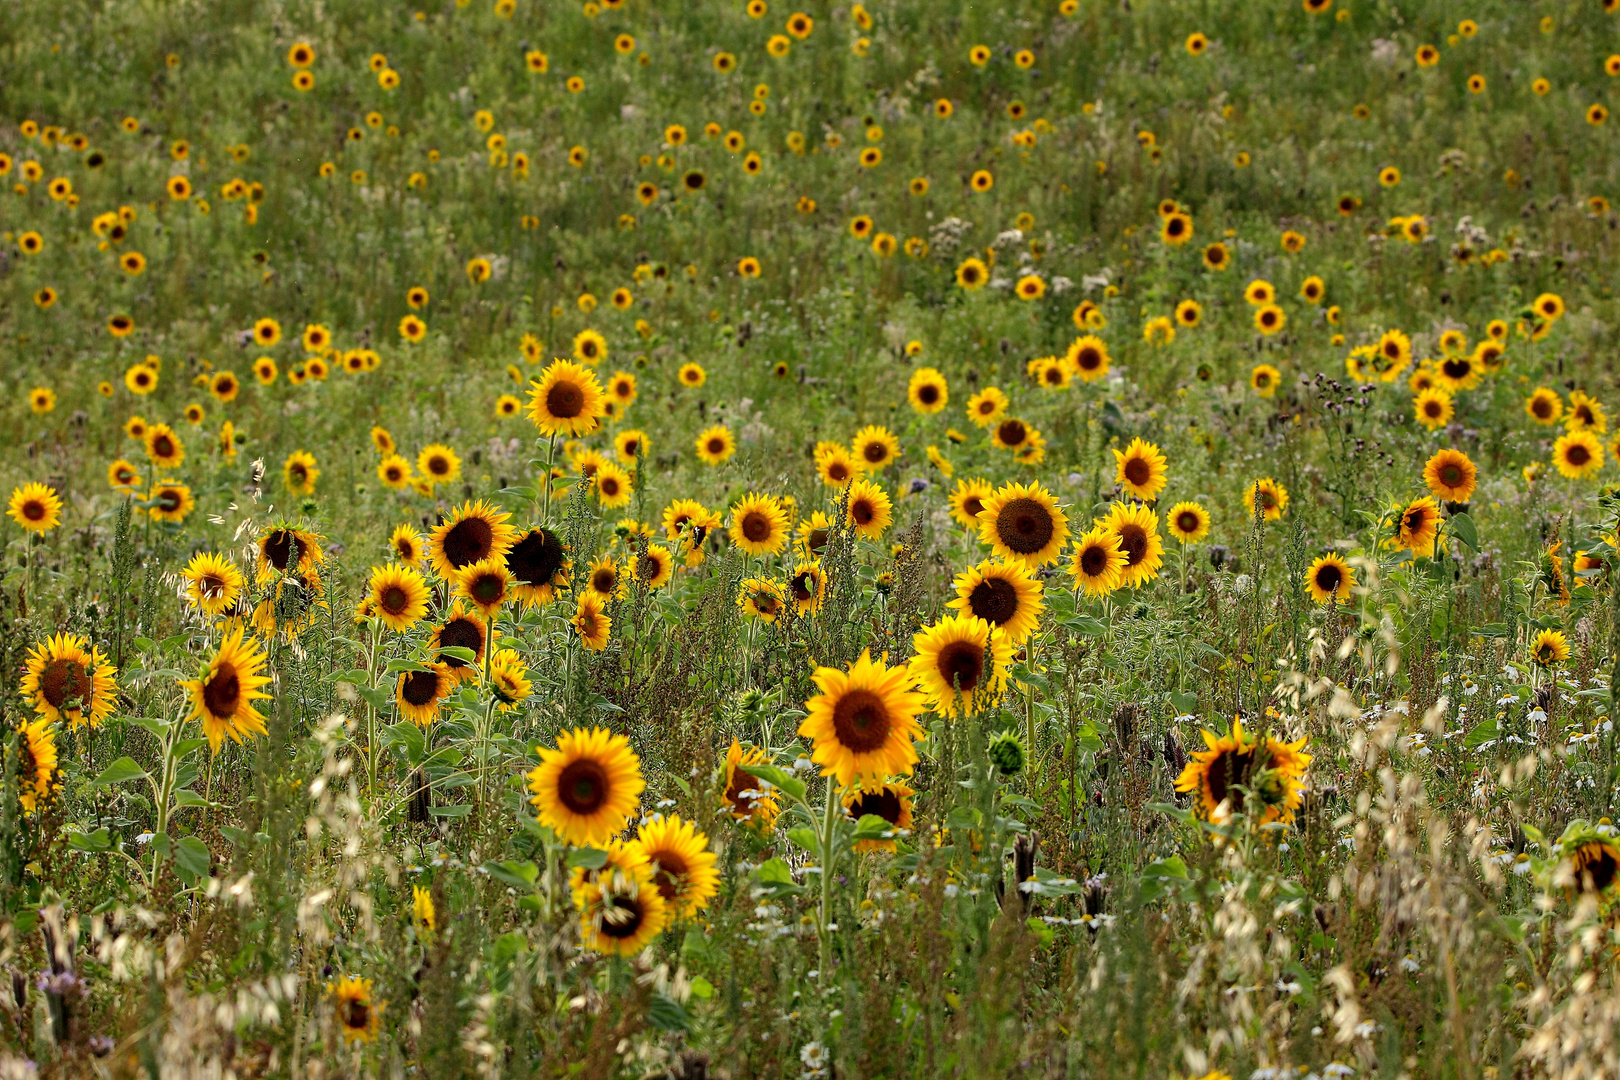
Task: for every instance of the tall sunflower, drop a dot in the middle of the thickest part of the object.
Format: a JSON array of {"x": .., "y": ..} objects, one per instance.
[
  {"x": 1003, "y": 594},
  {"x": 863, "y": 722},
  {"x": 1097, "y": 562},
  {"x": 961, "y": 664},
  {"x": 869, "y": 512},
  {"x": 1330, "y": 579},
  {"x": 539, "y": 564},
  {"x": 472, "y": 533},
  {"x": 64, "y": 678},
  {"x": 1138, "y": 530},
  {"x": 35, "y": 507},
  {"x": 163, "y": 446},
  {"x": 398, "y": 596},
  {"x": 987, "y": 406},
  {"x": 682, "y": 864},
  {"x": 36, "y": 764},
  {"x": 222, "y": 696},
  {"x": 1188, "y": 522},
  {"x": 567, "y": 400},
  {"x": 1273, "y": 773},
  {"x": 212, "y": 582},
  {"x": 1451, "y": 475},
  {"x": 418, "y": 693},
  {"x": 487, "y": 584},
  {"x": 892, "y": 802},
  {"x": 1022, "y": 522},
  {"x": 1141, "y": 470},
  {"x": 587, "y": 787},
  {"x": 759, "y": 525}
]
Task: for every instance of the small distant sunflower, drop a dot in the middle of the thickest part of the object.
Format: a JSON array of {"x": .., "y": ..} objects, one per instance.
[
  {"x": 438, "y": 464},
  {"x": 972, "y": 274},
  {"x": 1272, "y": 497},
  {"x": 1088, "y": 357},
  {"x": 1188, "y": 522},
  {"x": 567, "y": 400},
  {"x": 967, "y": 501},
  {"x": 927, "y": 391},
  {"x": 299, "y": 473},
  {"x": 1585, "y": 413},
  {"x": 357, "y": 1014},
  {"x": 870, "y": 510},
  {"x": 163, "y": 446},
  {"x": 987, "y": 406},
  {"x": 1264, "y": 380},
  {"x": 1550, "y": 648},
  {"x": 1577, "y": 454},
  {"x": 875, "y": 447},
  {"x": 1434, "y": 409}
]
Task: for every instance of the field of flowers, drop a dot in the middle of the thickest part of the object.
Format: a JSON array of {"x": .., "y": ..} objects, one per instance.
[{"x": 1041, "y": 538}]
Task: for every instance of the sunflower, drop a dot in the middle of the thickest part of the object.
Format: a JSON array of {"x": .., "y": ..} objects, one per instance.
[
  {"x": 613, "y": 485},
  {"x": 807, "y": 587},
  {"x": 967, "y": 501},
  {"x": 836, "y": 466},
  {"x": 972, "y": 274},
  {"x": 892, "y": 802},
  {"x": 1458, "y": 373},
  {"x": 438, "y": 464},
  {"x": 1418, "y": 527},
  {"x": 682, "y": 866},
  {"x": 869, "y": 511},
  {"x": 1434, "y": 409},
  {"x": 927, "y": 391},
  {"x": 123, "y": 476},
  {"x": 474, "y": 532},
  {"x": 64, "y": 677},
  {"x": 1217, "y": 256},
  {"x": 398, "y": 596},
  {"x": 1273, "y": 773},
  {"x": 1264, "y": 380},
  {"x": 1137, "y": 528},
  {"x": 406, "y": 544},
  {"x": 745, "y": 797},
  {"x": 264, "y": 369},
  {"x": 863, "y": 722},
  {"x": 419, "y": 692},
  {"x": 758, "y": 525},
  {"x": 1272, "y": 496},
  {"x": 1003, "y": 594},
  {"x": 630, "y": 445},
  {"x": 590, "y": 348},
  {"x": 35, "y": 507},
  {"x": 223, "y": 696},
  {"x": 1596, "y": 865},
  {"x": 1011, "y": 434},
  {"x": 692, "y": 375},
  {"x": 509, "y": 679},
  {"x": 1022, "y": 523},
  {"x": 460, "y": 629},
  {"x": 213, "y": 583},
  {"x": 814, "y": 534},
  {"x": 621, "y": 913},
  {"x": 603, "y": 578},
  {"x": 171, "y": 501},
  {"x": 987, "y": 406},
  {"x": 284, "y": 550},
  {"x": 566, "y": 400},
  {"x": 357, "y": 1013},
  {"x": 1188, "y": 522},
  {"x": 1330, "y": 578},
  {"x": 1141, "y": 470},
  {"x": 299, "y": 473},
  {"x": 1176, "y": 229},
  {"x": 1577, "y": 454},
  {"x": 960, "y": 663},
  {"x": 395, "y": 472},
  {"x": 587, "y": 787},
  {"x": 875, "y": 447},
  {"x": 715, "y": 444},
  {"x": 591, "y": 622},
  {"x": 653, "y": 567},
  {"x": 1450, "y": 475},
  {"x": 1585, "y": 414},
  {"x": 1097, "y": 562},
  {"x": 36, "y": 764},
  {"x": 163, "y": 446},
  {"x": 1550, "y": 648},
  {"x": 760, "y": 598}
]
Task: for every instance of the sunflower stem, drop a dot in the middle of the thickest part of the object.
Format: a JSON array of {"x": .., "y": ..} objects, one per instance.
[
  {"x": 551, "y": 457},
  {"x": 824, "y": 910}
]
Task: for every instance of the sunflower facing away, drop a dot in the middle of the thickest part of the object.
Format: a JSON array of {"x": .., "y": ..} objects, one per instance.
[
  {"x": 1273, "y": 774},
  {"x": 587, "y": 787},
  {"x": 398, "y": 596},
  {"x": 222, "y": 698},
  {"x": 474, "y": 532},
  {"x": 961, "y": 664},
  {"x": 863, "y": 722},
  {"x": 36, "y": 763},
  {"x": 682, "y": 864},
  {"x": 745, "y": 797},
  {"x": 566, "y": 400},
  {"x": 1003, "y": 594},
  {"x": 1022, "y": 522},
  {"x": 1142, "y": 470},
  {"x": 759, "y": 525},
  {"x": 64, "y": 678},
  {"x": 892, "y": 802},
  {"x": 1137, "y": 528},
  {"x": 1330, "y": 579}
]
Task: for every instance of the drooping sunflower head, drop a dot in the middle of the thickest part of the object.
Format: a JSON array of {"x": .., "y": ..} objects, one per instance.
[
  {"x": 509, "y": 679},
  {"x": 586, "y": 788},
  {"x": 1022, "y": 522},
  {"x": 1003, "y": 594},
  {"x": 961, "y": 664},
  {"x": 863, "y": 722},
  {"x": 472, "y": 533}
]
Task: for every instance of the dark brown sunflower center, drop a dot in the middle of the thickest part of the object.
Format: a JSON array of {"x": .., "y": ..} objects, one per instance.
[
  {"x": 420, "y": 688},
  {"x": 756, "y": 527},
  {"x": 464, "y": 633},
  {"x": 716, "y": 446},
  {"x": 1176, "y": 227},
  {"x": 875, "y": 452},
  {"x": 1433, "y": 409},
  {"x": 1133, "y": 541},
  {"x": 297, "y": 471},
  {"x": 960, "y": 663},
  {"x": 393, "y": 600},
  {"x": 1457, "y": 368},
  {"x": 168, "y": 500},
  {"x": 468, "y": 541},
  {"x": 163, "y": 446},
  {"x": 211, "y": 586},
  {"x": 1328, "y": 577},
  {"x": 1415, "y": 521},
  {"x": 357, "y": 1015},
  {"x": 672, "y": 869},
  {"x": 648, "y": 568},
  {"x": 1268, "y": 317},
  {"x": 1138, "y": 471},
  {"x": 1094, "y": 560},
  {"x": 970, "y": 274},
  {"x": 583, "y": 787},
  {"x": 1229, "y": 768},
  {"x": 222, "y": 693},
  {"x": 64, "y": 682},
  {"x": 972, "y": 506},
  {"x": 487, "y": 588},
  {"x": 817, "y": 540},
  {"x": 438, "y": 465},
  {"x": 604, "y": 580},
  {"x": 803, "y": 586},
  {"x": 34, "y": 510},
  {"x": 1012, "y": 432},
  {"x": 1600, "y": 870},
  {"x": 861, "y": 721},
  {"x": 1025, "y": 526},
  {"x": 394, "y": 473},
  {"x": 1392, "y": 350},
  {"x": 283, "y": 549},
  {"x": 764, "y": 603},
  {"x": 1187, "y": 521},
  {"x": 861, "y": 511},
  {"x": 928, "y": 393},
  {"x": 1451, "y": 474},
  {"x": 1577, "y": 454},
  {"x": 837, "y": 470},
  {"x": 994, "y": 600},
  {"x": 884, "y": 804},
  {"x": 536, "y": 559},
  {"x": 623, "y": 918}
]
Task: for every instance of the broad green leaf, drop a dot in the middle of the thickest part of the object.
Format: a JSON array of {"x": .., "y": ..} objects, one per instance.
[
  {"x": 1462, "y": 527},
  {"x": 1483, "y": 732},
  {"x": 589, "y": 858},
  {"x": 872, "y": 827},
  {"x": 667, "y": 1014},
  {"x": 458, "y": 811},
  {"x": 192, "y": 855},
  {"x": 99, "y": 840},
  {"x": 121, "y": 771},
  {"x": 518, "y": 875},
  {"x": 778, "y": 777}
]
